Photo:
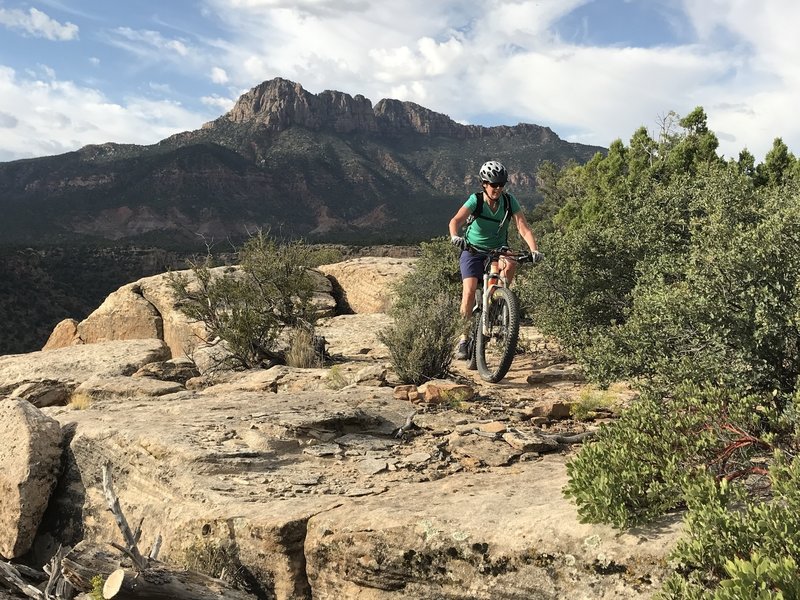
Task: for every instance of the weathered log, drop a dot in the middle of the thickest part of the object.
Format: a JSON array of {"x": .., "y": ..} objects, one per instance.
[
  {"x": 11, "y": 577},
  {"x": 131, "y": 539},
  {"x": 157, "y": 582}
]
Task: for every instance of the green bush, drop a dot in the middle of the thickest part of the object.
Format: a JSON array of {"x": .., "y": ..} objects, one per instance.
[
  {"x": 436, "y": 272},
  {"x": 636, "y": 469},
  {"x": 426, "y": 319},
  {"x": 250, "y": 306},
  {"x": 680, "y": 272},
  {"x": 737, "y": 545},
  {"x": 422, "y": 340}
]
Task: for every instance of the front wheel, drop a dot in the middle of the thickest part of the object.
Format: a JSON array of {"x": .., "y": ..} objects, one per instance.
[{"x": 496, "y": 339}]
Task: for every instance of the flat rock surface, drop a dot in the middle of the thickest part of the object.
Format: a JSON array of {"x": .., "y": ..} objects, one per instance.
[
  {"x": 73, "y": 365},
  {"x": 503, "y": 533},
  {"x": 321, "y": 490}
]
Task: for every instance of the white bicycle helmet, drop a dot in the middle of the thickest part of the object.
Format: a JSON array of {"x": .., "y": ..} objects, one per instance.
[{"x": 493, "y": 172}]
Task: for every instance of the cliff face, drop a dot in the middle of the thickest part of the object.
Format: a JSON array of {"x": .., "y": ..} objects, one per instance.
[
  {"x": 326, "y": 166},
  {"x": 279, "y": 104}
]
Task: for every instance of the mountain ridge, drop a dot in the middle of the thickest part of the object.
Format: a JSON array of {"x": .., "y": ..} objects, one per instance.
[{"x": 327, "y": 166}]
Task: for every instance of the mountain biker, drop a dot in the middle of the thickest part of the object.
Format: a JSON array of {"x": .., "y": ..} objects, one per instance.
[{"x": 488, "y": 230}]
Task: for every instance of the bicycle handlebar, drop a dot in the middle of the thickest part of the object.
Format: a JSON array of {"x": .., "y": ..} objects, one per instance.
[{"x": 504, "y": 251}]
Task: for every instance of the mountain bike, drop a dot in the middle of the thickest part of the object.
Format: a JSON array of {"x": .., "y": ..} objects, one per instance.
[{"x": 495, "y": 318}]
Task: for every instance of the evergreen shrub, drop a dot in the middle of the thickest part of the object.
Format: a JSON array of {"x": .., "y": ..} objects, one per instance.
[{"x": 426, "y": 318}]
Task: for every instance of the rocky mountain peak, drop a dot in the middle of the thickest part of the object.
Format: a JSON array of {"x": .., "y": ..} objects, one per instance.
[{"x": 278, "y": 104}]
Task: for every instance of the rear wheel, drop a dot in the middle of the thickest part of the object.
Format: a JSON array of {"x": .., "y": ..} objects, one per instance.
[{"x": 496, "y": 340}]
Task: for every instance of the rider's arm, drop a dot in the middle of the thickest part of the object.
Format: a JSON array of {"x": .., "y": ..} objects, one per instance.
[
  {"x": 457, "y": 222},
  {"x": 525, "y": 231}
]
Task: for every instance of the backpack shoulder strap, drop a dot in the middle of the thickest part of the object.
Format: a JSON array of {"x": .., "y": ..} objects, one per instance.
[
  {"x": 507, "y": 211},
  {"x": 478, "y": 204},
  {"x": 477, "y": 213}
]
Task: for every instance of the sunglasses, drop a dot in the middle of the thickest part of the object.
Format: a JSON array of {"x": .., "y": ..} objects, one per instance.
[{"x": 494, "y": 186}]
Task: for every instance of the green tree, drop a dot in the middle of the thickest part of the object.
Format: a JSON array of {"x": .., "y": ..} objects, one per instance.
[
  {"x": 679, "y": 271},
  {"x": 777, "y": 166}
]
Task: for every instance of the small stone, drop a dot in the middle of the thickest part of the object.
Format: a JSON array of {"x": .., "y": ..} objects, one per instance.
[
  {"x": 530, "y": 442},
  {"x": 355, "y": 492},
  {"x": 323, "y": 450},
  {"x": 553, "y": 409},
  {"x": 401, "y": 392},
  {"x": 371, "y": 466},
  {"x": 306, "y": 481},
  {"x": 493, "y": 427},
  {"x": 418, "y": 458}
]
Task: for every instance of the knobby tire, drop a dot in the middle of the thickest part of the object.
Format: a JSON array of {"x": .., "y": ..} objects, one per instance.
[{"x": 495, "y": 352}]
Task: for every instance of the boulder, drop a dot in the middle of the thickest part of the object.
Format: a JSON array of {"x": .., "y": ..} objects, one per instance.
[
  {"x": 148, "y": 308},
  {"x": 124, "y": 315},
  {"x": 64, "y": 334},
  {"x": 31, "y": 459},
  {"x": 366, "y": 283},
  {"x": 49, "y": 377}
]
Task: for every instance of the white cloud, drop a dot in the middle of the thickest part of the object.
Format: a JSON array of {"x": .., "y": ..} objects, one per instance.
[
  {"x": 219, "y": 75},
  {"x": 149, "y": 45},
  {"x": 54, "y": 116},
  {"x": 38, "y": 24},
  {"x": 488, "y": 62},
  {"x": 501, "y": 59},
  {"x": 224, "y": 104}
]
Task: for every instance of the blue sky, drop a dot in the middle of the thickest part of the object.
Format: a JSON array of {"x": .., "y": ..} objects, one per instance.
[{"x": 75, "y": 72}]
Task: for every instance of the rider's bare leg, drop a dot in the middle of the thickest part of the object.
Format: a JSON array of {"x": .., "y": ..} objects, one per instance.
[
  {"x": 508, "y": 268},
  {"x": 468, "y": 289}
]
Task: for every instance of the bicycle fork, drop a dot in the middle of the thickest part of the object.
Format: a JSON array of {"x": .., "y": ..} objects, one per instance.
[{"x": 491, "y": 281}]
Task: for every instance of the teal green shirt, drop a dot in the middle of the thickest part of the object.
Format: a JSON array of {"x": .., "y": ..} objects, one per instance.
[{"x": 485, "y": 233}]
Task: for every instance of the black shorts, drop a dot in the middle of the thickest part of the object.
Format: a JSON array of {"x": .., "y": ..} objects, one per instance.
[{"x": 471, "y": 264}]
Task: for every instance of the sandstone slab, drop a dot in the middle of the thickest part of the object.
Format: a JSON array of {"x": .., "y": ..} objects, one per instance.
[
  {"x": 367, "y": 282},
  {"x": 56, "y": 373},
  {"x": 355, "y": 337},
  {"x": 121, "y": 387},
  {"x": 225, "y": 468},
  {"x": 507, "y": 533}
]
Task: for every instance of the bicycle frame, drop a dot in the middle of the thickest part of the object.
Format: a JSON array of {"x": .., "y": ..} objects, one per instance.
[
  {"x": 486, "y": 329},
  {"x": 491, "y": 279}
]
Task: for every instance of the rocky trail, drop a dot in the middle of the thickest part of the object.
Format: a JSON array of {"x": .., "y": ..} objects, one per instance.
[{"x": 323, "y": 483}]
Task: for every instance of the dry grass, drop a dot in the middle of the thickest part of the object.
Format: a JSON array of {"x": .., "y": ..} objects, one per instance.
[
  {"x": 337, "y": 378},
  {"x": 79, "y": 401},
  {"x": 591, "y": 399},
  {"x": 301, "y": 352}
]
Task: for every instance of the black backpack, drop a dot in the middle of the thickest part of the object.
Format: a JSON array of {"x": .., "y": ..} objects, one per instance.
[{"x": 478, "y": 212}]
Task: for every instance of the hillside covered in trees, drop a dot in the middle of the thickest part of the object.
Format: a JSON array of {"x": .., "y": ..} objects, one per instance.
[{"x": 679, "y": 270}]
